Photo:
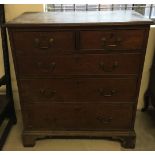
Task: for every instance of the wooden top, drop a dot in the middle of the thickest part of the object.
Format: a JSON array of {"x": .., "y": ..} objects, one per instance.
[{"x": 80, "y": 18}]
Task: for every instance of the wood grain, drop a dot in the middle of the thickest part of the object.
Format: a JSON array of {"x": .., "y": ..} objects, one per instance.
[
  {"x": 81, "y": 18},
  {"x": 79, "y": 73}
]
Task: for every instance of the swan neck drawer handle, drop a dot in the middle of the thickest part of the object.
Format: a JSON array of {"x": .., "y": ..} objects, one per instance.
[{"x": 39, "y": 44}]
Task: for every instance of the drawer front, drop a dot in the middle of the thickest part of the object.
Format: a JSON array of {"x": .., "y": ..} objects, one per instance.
[
  {"x": 77, "y": 117},
  {"x": 79, "y": 64},
  {"x": 112, "y": 39},
  {"x": 29, "y": 43},
  {"x": 78, "y": 90}
]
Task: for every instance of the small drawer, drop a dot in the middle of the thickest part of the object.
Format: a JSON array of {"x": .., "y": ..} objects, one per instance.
[
  {"x": 112, "y": 40},
  {"x": 29, "y": 43},
  {"x": 77, "y": 117},
  {"x": 79, "y": 90},
  {"x": 79, "y": 64}
]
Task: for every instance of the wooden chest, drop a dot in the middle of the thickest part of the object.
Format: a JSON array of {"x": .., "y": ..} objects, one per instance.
[{"x": 79, "y": 73}]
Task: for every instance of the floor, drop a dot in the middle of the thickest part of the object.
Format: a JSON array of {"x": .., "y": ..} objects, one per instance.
[{"x": 144, "y": 127}]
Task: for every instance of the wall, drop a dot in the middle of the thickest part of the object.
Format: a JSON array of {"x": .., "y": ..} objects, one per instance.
[
  {"x": 147, "y": 64},
  {"x": 14, "y": 10}
]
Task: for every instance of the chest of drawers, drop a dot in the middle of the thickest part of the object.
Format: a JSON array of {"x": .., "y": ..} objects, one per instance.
[{"x": 79, "y": 73}]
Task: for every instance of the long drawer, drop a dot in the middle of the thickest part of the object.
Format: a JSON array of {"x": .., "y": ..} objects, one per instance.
[
  {"x": 112, "y": 39},
  {"x": 78, "y": 64},
  {"x": 78, "y": 90},
  {"x": 77, "y": 117}
]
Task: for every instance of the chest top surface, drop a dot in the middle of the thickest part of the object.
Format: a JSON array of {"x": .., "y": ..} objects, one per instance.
[{"x": 80, "y": 18}]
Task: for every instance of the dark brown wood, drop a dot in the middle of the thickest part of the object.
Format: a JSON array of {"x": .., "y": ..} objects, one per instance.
[
  {"x": 43, "y": 42},
  {"x": 28, "y": 140},
  {"x": 112, "y": 39},
  {"x": 79, "y": 76},
  {"x": 77, "y": 64},
  {"x": 79, "y": 90},
  {"x": 81, "y": 117},
  {"x": 29, "y": 137},
  {"x": 128, "y": 142}
]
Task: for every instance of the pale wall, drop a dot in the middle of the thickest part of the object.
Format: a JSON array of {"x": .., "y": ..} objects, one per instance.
[
  {"x": 14, "y": 10},
  {"x": 147, "y": 64}
]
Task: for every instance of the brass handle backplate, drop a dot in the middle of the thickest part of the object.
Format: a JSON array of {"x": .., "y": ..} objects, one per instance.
[
  {"x": 46, "y": 67},
  {"x": 105, "y": 44},
  {"x": 42, "y": 44},
  {"x": 47, "y": 93},
  {"x": 114, "y": 66},
  {"x": 106, "y": 93},
  {"x": 104, "y": 119}
]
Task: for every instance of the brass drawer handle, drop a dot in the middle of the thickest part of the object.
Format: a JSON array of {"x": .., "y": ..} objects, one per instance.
[
  {"x": 112, "y": 45},
  {"x": 104, "y": 119},
  {"x": 38, "y": 43},
  {"x": 114, "y": 66},
  {"x": 45, "y": 67},
  {"x": 107, "y": 93},
  {"x": 52, "y": 65},
  {"x": 47, "y": 93},
  {"x": 116, "y": 43}
]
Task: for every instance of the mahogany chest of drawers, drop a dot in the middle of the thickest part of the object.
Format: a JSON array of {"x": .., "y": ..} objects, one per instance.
[{"x": 79, "y": 73}]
